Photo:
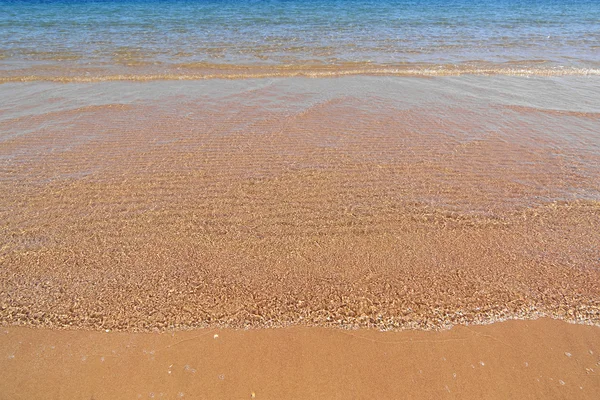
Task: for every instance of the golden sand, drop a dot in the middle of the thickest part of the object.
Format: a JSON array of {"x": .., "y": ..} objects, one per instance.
[
  {"x": 272, "y": 208},
  {"x": 540, "y": 359}
]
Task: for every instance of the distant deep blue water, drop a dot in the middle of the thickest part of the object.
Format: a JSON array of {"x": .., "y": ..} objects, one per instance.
[{"x": 167, "y": 35}]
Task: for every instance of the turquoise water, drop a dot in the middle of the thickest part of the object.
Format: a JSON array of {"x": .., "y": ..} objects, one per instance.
[{"x": 101, "y": 37}]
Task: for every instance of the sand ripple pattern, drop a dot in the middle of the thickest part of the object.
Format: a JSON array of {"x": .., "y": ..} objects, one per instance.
[{"x": 289, "y": 202}]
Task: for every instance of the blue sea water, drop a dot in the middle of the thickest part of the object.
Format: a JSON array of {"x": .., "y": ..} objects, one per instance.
[{"x": 167, "y": 35}]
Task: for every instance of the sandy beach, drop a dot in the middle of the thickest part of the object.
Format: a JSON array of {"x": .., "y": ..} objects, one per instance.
[
  {"x": 285, "y": 199},
  {"x": 330, "y": 209}
]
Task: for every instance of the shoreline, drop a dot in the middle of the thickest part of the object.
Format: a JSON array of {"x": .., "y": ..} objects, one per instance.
[{"x": 275, "y": 325}]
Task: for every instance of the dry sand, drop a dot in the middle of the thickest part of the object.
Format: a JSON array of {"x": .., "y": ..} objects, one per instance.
[{"x": 540, "y": 359}]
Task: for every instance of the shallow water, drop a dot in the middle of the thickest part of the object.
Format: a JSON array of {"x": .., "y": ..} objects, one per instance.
[
  {"x": 359, "y": 201},
  {"x": 204, "y": 38}
]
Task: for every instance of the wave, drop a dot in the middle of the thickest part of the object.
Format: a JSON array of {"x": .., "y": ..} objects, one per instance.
[{"x": 203, "y": 72}]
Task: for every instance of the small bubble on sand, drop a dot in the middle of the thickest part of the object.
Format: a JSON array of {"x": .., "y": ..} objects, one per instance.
[
  {"x": 189, "y": 369},
  {"x": 454, "y": 375},
  {"x": 11, "y": 356},
  {"x": 526, "y": 364},
  {"x": 252, "y": 395},
  {"x": 481, "y": 363},
  {"x": 222, "y": 377},
  {"x": 561, "y": 382},
  {"x": 215, "y": 336},
  {"x": 180, "y": 395},
  {"x": 83, "y": 358},
  {"x": 107, "y": 330},
  {"x": 568, "y": 354},
  {"x": 101, "y": 359},
  {"x": 151, "y": 395}
]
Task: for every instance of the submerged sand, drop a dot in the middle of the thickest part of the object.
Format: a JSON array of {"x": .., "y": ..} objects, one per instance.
[
  {"x": 515, "y": 359},
  {"x": 354, "y": 202}
]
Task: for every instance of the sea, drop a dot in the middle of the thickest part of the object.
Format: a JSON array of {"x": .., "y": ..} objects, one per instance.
[{"x": 194, "y": 39}]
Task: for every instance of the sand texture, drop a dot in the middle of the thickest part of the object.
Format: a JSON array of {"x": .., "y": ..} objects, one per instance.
[
  {"x": 142, "y": 223},
  {"x": 514, "y": 359},
  {"x": 353, "y": 202}
]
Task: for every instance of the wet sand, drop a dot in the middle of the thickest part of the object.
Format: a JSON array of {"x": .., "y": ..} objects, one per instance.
[
  {"x": 354, "y": 202},
  {"x": 314, "y": 206},
  {"x": 515, "y": 359}
]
